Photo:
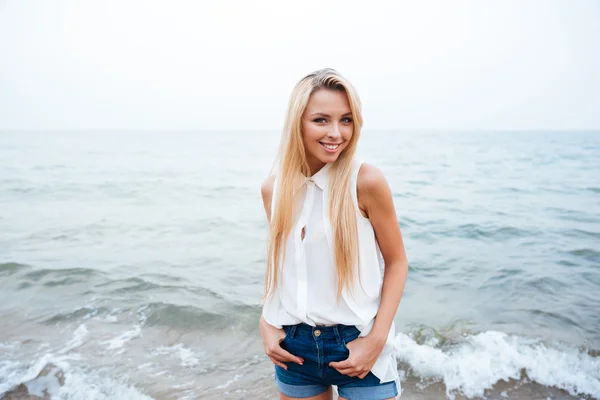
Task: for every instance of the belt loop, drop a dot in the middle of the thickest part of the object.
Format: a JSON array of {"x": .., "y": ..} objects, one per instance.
[
  {"x": 337, "y": 334},
  {"x": 292, "y": 331}
]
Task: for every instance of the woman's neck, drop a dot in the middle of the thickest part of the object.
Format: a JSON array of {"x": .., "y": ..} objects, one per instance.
[{"x": 315, "y": 166}]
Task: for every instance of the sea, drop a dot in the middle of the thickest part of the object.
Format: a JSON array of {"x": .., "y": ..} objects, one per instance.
[{"x": 132, "y": 263}]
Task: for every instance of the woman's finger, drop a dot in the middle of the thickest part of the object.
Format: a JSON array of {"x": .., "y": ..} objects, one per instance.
[
  {"x": 348, "y": 371},
  {"x": 278, "y": 356},
  {"x": 353, "y": 372},
  {"x": 345, "y": 364},
  {"x": 285, "y": 355},
  {"x": 279, "y": 363}
]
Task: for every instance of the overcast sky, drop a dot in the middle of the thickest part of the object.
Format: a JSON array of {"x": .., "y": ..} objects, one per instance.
[{"x": 232, "y": 64}]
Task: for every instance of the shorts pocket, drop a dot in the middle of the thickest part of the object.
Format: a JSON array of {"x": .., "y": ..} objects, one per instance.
[
  {"x": 353, "y": 335},
  {"x": 286, "y": 329}
]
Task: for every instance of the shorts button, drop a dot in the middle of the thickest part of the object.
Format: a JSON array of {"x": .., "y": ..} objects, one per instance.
[{"x": 317, "y": 333}]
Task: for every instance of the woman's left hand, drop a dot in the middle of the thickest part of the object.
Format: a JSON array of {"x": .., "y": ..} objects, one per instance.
[{"x": 364, "y": 351}]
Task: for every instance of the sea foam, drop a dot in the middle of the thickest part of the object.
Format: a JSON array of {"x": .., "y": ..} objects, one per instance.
[{"x": 480, "y": 360}]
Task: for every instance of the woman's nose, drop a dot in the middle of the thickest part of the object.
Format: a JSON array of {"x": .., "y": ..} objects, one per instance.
[{"x": 335, "y": 131}]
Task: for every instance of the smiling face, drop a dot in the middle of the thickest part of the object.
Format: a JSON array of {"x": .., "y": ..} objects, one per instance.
[{"x": 327, "y": 127}]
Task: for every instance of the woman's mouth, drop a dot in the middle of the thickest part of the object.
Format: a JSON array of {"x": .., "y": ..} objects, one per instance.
[{"x": 330, "y": 147}]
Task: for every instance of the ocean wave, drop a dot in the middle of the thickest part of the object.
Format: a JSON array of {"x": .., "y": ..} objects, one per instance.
[
  {"x": 118, "y": 343},
  {"x": 478, "y": 231},
  {"x": 476, "y": 363},
  {"x": 582, "y": 233},
  {"x": 501, "y": 276},
  {"x": 132, "y": 285},
  {"x": 586, "y": 254},
  {"x": 53, "y": 378},
  {"x": 10, "y": 268},
  {"x": 24, "y": 276},
  {"x": 192, "y": 317},
  {"x": 187, "y": 356},
  {"x": 60, "y": 273},
  {"x": 53, "y": 375},
  {"x": 544, "y": 284}
]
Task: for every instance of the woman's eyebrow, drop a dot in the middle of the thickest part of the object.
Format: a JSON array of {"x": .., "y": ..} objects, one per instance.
[{"x": 327, "y": 115}]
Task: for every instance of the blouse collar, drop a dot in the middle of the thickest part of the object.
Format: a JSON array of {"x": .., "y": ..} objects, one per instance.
[{"x": 321, "y": 178}]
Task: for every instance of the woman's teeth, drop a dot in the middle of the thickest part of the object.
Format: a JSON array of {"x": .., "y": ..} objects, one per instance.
[{"x": 330, "y": 146}]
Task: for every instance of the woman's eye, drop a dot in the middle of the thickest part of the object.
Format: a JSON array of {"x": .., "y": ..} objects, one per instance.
[
  {"x": 319, "y": 120},
  {"x": 347, "y": 120}
]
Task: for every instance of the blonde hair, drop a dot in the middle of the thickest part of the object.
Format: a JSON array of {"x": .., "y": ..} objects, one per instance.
[{"x": 291, "y": 171}]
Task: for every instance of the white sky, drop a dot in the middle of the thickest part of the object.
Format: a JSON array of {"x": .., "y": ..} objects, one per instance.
[{"x": 518, "y": 64}]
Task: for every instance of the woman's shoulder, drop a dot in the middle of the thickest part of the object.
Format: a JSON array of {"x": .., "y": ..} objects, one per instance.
[
  {"x": 266, "y": 189},
  {"x": 370, "y": 179},
  {"x": 373, "y": 191}
]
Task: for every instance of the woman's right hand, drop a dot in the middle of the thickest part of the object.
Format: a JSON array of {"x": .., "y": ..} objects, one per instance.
[{"x": 272, "y": 338}]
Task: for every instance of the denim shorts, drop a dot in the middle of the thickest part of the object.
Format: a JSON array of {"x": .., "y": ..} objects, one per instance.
[{"x": 319, "y": 346}]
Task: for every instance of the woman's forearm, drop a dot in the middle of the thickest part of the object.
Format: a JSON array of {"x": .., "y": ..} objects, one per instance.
[{"x": 391, "y": 292}]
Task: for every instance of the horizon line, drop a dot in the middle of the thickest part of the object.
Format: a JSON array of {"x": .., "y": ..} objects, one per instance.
[{"x": 3, "y": 130}]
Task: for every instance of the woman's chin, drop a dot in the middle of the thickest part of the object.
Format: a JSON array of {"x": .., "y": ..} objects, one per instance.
[{"x": 328, "y": 158}]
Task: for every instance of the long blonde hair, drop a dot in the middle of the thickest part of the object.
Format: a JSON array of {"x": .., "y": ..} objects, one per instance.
[{"x": 291, "y": 171}]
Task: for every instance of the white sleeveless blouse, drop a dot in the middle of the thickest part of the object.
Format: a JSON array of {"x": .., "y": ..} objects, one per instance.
[{"x": 308, "y": 287}]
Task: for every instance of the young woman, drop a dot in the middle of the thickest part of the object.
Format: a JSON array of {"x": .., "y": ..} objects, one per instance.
[{"x": 328, "y": 315}]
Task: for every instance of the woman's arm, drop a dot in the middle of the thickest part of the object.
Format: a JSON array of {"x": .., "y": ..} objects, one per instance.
[
  {"x": 266, "y": 190},
  {"x": 375, "y": 200}
]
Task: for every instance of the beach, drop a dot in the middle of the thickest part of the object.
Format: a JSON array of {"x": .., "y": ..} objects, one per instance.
[{"x": 132, "y": 263}]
